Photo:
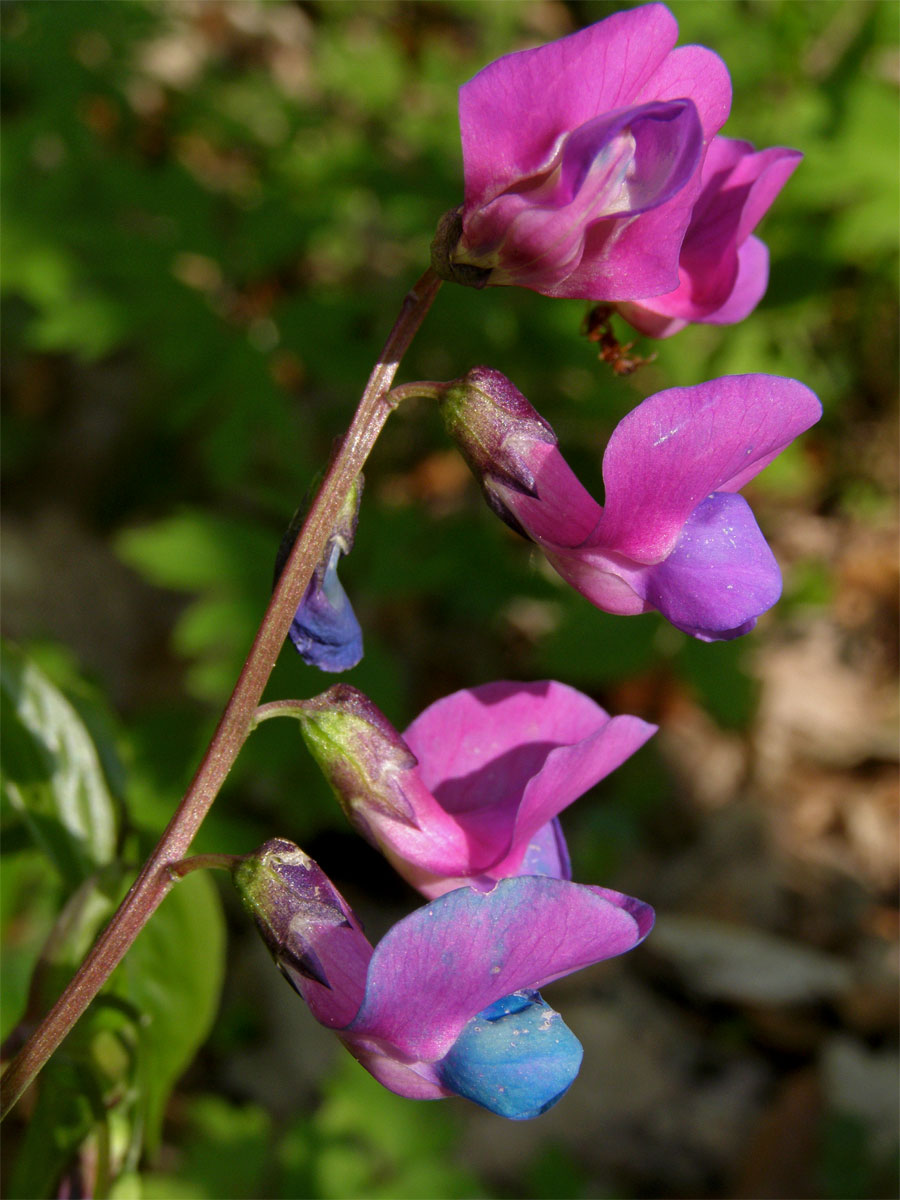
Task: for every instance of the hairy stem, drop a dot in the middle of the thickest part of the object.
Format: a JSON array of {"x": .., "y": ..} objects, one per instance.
[{"x": 157, "y": 877}]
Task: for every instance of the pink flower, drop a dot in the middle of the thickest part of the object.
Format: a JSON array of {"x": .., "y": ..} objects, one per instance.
[
  {"x": 471, "y": 792},
  {"x": 672, "y": 535},
  {"x": 582, "y": 161},
  {"x": 446, "y": 1002},
  {"x": 723, "y": 270}
]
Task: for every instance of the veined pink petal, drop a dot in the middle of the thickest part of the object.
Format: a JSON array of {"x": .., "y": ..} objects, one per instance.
[
  {"x": 513, "y": 112},
  {"x": 682, "y": 444},
  {"x": 506, "y": 758},
  {"x": 451, "y": 959},
  {"x": 491, "y": 740},
  {"x": 699, "y": 73},
  {"x": 570, "y": 771},
  {"x": 723, "y": 272}
]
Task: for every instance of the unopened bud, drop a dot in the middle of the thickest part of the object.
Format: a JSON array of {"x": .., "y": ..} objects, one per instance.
[
  {"x": 360, "y": 753},
  {"x": 325, "y": 630},
  {"x": 309, "y": 929},
  {"x": 497, "y": 431}
]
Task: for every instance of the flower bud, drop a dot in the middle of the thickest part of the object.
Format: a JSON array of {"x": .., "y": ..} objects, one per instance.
[
  {"x": 361, "y": 755},
  {"x": 325, "y": 630},
  {"x": 310, "y": 931},
  {"x": 500, "y": 435}
]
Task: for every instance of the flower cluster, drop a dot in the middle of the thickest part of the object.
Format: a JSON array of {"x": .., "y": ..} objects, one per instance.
[
  {"x": 594, "y": 168},
  {"x": 465, "y": 807},
  {"x": 446, "y": 1003}
]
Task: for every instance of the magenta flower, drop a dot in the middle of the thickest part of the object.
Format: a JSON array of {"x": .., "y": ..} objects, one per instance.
[
  {"x": 582, "y": 161},
  {"x": 446, "y": 1003},
  {"x": 471, "y": 792},
  {"x": 723, "y": 269},
  {"x": 672, "y": 535}
]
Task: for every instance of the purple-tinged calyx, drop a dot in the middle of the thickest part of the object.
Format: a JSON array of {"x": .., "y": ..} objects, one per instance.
[
  {"x": 496, "y": 429},
  {"x": 307, "y": 926},
  {"x": 362, "y": 756}
]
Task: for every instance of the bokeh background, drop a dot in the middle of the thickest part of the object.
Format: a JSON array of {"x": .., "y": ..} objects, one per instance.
[{"x": 211, "y": 211}]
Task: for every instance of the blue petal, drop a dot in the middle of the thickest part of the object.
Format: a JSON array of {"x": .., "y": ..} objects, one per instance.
[
  {"x": 516, "y": 1058},
  {"x": 325, "y": 630}
]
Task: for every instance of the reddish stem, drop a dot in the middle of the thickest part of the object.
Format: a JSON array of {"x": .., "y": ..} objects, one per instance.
[{"x": 156, "y": 877}]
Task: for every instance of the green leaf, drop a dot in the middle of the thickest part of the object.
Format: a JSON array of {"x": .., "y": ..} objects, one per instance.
[
  {"x": 53, "y": 779},
  {"x": 173, "y": 976},
  {"x": 69, "y": 1107}
]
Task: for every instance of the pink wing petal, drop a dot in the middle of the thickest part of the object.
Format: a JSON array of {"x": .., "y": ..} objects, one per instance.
[
  {"x": 491, "y": 740},
  {"x": 448, "y": 961},
  {"x": 680, "y": 445},
  {"x": 512, "y": 112},
  {"x": 697, "y": 73},
  {"x": 570, "y": 771},
  {"x": 749, "y": 287}
]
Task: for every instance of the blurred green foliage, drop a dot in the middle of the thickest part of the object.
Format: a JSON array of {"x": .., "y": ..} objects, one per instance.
[{"x": 211, "y": 213}]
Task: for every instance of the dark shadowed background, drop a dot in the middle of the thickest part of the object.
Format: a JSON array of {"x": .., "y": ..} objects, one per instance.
[{"x": 211, "y": 212}]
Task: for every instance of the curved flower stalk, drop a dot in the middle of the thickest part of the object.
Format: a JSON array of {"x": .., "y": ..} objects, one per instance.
[
  {"x": 673, "y": 535},
  {"x": 723, "y": 270},
  {"x": 446, "y": 1003},
  {"x": 471, "y": 792},
  {"x": 582, "y": 161}
]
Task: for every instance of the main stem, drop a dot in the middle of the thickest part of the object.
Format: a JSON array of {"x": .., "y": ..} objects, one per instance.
[{"x": 157, "y": 877}]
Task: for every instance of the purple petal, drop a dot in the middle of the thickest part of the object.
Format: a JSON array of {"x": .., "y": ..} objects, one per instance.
[
  {"x": 325, "y": 630},
  {"x": 749, "y": 286},
  {"x": 681, "y": 445},
  {"x": 513, "y": 112},
  {"x": 619, "y": 164},
  {"x": 720, "y": 576},
  {"x": 414, "y": 1080},
  {"x": 448, "y": 961},
  {"x": 641, "y": 259},
  {"x": 698, "y": 73},
  {"x": 722, "y": 276},
  {"x": 561, "y": 512},
  {"x": 547, "y": 853}
]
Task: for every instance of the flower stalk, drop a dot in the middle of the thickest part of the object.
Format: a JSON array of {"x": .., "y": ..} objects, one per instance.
[{"x": 159, "y": 873}]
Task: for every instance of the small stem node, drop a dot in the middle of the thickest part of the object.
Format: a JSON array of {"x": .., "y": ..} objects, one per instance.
[{"x": 198, "y": 862}]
